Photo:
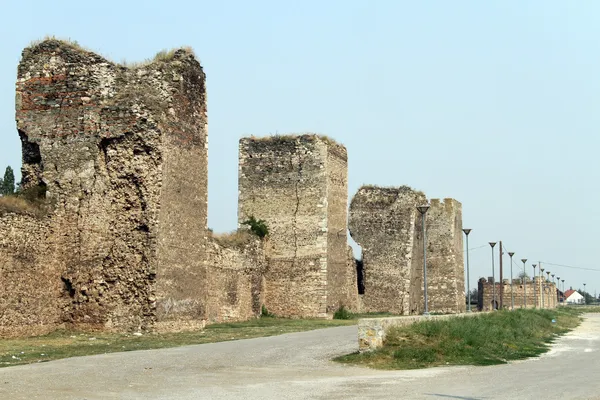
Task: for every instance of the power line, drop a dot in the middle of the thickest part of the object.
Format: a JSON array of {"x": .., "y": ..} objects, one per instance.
[{"x": 570, "y": 266}]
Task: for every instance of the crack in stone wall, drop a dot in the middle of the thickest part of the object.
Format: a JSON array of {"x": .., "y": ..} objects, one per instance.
[{"x": 285, "y": 181}]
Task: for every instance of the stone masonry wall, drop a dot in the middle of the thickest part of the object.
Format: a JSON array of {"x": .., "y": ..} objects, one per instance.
[
  {"x": 298, "y": 184},
  {"x": 30, "y": 302},
  {"x": 525, "y": 295},
  {"x": 122, "y": 155},
  {"x": 382, "y": 221},
  {"x": 445, "y": 262}
]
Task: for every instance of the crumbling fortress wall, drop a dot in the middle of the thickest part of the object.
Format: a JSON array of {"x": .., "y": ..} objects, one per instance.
[
  {"x": 386, "y": 224},
  {"x": 119, "y": 155},
  {"x": 445, "y": 261},
  {"x": 298, "y": 185},
  {"x": 29, "y": 296},
  {"x": 383, "y": 222},
  {"x": 526, "y": 294}
]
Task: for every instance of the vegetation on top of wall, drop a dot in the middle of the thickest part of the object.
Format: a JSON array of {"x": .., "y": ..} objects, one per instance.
[
  {"x": 162, "y": 56},
  {"x": 236, "y": 239},
  {"x": 65, "y": 42},
  {"x": 283, "y": 137},
  {"x": 258, "y": 227}
]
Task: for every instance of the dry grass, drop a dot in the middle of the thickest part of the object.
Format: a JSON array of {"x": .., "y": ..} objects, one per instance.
[
  {"x": 236, "y": 239},
  {"x": 286, "y": 137},
  {"x": 161, "y": 56},
  {"x": 18, "y": 205}
]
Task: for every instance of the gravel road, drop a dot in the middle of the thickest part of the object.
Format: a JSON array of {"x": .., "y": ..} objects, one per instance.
[{"x": 297, "y": 366}]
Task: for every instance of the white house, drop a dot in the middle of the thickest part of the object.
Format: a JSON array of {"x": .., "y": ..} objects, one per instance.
[{"x": 573, "y": 297}]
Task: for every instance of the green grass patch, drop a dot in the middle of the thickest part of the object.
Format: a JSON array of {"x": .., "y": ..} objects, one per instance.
[
  {"x": 488, "y": 339},
  {"x": 63, "y": 344}
]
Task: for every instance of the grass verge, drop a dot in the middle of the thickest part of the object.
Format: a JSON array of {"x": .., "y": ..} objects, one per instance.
[
  {"x": 63, "y": 344},
  {"x": 488, "y": 339}
]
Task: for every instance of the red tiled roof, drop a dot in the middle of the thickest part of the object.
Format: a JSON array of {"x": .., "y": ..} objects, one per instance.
[{"x": 569, "y": 292}]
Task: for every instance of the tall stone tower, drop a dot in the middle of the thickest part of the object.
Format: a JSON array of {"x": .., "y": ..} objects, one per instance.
[
  {"x": 386, "y": 224},
  {"x": 383, "y": 221},
  {"x": 299, "y": 186},
  {"x": 121, "y": 153},
  {"x": 445, "y": 261}
]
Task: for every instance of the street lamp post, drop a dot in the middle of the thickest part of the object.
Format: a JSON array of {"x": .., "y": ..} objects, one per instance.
[
  {"x": 534, "y": 288},
  {"x": 492, "y": 244},
  {"x": 524, "y": 260},
  {"x": 467, "y": 231},
  {"x": 423, "y": 210},
  {"x": 563, "y": 290},
  {"x": 542, "y": 285},
  {"x": 512, "y": 292},
  {"x": 554, "y": 295},
  {"x": 549, "y": 304},
  {"x": 558, "y": 292},
  {"x": 584, "y": 294}
]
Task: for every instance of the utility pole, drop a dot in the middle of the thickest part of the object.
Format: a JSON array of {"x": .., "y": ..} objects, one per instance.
[{"x": 501, "y": 279}]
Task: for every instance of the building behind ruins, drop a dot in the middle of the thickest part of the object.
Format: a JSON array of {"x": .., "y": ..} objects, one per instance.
[
  {"x": 538, "y": 293},
  {"x": 299, "y": 186}
]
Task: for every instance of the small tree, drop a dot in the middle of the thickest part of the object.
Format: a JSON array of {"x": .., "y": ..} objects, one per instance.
[
  {"x": 523, "y": 276},
  {"x": 8, "y": 183},
  {"x": 258, "y": 227}
]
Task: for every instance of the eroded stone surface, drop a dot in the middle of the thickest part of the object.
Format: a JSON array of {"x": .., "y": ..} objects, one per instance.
[
  {"x": 383, "y": 222},
  {"x": 121, "y": 155},
  {"x": 298, "y": 185}
]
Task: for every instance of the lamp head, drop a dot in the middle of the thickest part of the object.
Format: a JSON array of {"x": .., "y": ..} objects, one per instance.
[
  {"x": 492, "y": 244},
  {"x": 467, "y": 231},
  {"x": 423, "y": 209},
  {"x": 511, "y": 253}
]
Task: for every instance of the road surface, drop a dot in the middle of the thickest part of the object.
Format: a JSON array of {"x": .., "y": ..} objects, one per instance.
[{"x": 297, "y": 366}]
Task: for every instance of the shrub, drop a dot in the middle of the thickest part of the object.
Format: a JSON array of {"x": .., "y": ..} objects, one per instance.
[
  {"x": 342, "y": 313},
  {"x": 265, "y": 313},
  {"x": 258, "y": 227}
]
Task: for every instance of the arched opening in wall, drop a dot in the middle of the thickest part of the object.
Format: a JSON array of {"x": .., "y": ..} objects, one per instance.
[
  {"x": 495, "y": 304},
  {"x": 358, "y": 262}
]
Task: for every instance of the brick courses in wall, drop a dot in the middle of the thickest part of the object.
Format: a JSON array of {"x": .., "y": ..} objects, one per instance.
[
  {"x": 298, "y": 185},
  {"x": 119, "y": 156}
]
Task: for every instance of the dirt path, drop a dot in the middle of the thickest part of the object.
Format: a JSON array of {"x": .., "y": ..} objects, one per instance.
[{"x": 297, "y": 366}]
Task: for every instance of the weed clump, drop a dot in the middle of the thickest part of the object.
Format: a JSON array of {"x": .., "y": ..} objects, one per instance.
[
  {"x": 342, "y": 313},
  {"x": 258, "y": 227}
]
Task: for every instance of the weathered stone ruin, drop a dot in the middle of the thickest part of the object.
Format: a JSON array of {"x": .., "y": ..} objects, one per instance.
[
  {"x": 386, "y": 224},
  {"x": 299, "y": 186},
  {"x": 120, "y": 155},
  {"x": 116, "y": 160},
  {"x": 445, "y": 261},
  {"x": 538, "y": 293}
]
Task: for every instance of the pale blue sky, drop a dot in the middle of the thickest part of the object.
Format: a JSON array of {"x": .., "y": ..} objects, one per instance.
[{"x": 493, "y": 103}]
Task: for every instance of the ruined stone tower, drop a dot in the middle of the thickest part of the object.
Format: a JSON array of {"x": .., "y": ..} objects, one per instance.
[
  {"x": 445, "y": 261},
  {"x": 383, "y": 222},
  {"x": 386, "y": 224},
  {"x": 121, "y": 154},
  {"x": 299, "y": 186}
]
